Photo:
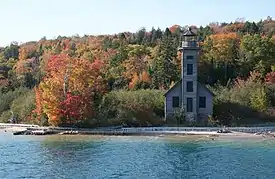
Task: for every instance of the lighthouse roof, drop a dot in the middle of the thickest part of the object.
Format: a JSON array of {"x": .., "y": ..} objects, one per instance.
[{"x": 189, "y": 32}]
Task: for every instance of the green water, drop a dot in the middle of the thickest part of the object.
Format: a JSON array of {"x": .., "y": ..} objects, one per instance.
[{"x": 134, "y": 157}]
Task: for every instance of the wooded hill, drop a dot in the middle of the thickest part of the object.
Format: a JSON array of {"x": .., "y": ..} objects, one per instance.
[{"x": 121, "y": 78}]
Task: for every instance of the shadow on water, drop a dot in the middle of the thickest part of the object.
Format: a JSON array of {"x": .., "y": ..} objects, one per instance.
[
  {"x": 180, "y": 159},
  {"x": 69, "y": 156}
]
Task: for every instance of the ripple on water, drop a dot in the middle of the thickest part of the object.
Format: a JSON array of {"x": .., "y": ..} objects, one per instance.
[{"x": 134, "y": 157}]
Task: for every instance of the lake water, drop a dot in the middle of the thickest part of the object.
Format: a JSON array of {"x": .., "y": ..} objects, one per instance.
[{"x": 134, "y": 157}]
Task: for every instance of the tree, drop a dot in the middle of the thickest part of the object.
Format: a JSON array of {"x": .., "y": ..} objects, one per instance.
[
  {"x": 140, "y": 36},
  {"x": 250, "y": 28},
  {"x": 23, "y": 106},
  {"x": 222, "y": 51},
  {"x": 235, "y": 27},
  {"x": 70, "y": 88},
  {"x": 12, "y": 51},
  {"x": 259, "y": 99},
  {"x": 174, "y": 28},
  {"x": 134, "y": 82},
  {"x": 204, "y": 32},
  {"x": 270, "y": 78},
  {"x": 164, "y": 67},
  {"x": 222, "y": 47},
  {"x": 156, "y": 35},
  {"x": 137, "y": 61},
  {"x": 141, "y": 81},
  {"x": 257, "y": 52}
]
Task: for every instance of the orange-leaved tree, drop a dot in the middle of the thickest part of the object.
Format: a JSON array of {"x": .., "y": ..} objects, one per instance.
[
  {"x": 222, "y": 47},
  {"x": 69, "y": 88},
  {"x": 142, "y": 80}
]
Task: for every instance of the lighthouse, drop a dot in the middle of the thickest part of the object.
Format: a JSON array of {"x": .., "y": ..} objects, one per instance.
[{"x": 188, "y": 94}]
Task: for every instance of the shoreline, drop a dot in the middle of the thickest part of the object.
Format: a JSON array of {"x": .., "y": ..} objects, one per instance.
[
  {"x": 210, "y": 132},
  {"x": 167, "y": 134}
]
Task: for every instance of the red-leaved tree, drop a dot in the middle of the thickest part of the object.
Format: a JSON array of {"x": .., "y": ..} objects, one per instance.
[
  {"x": 270, "y": 78},
  {"x": 69, "y": 88}
]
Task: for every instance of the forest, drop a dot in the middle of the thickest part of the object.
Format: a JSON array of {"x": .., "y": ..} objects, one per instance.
[{"x": 120, "y": 79}]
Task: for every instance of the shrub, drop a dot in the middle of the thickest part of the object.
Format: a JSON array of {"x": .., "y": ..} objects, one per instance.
[
  {"x": 23, "y": 106},
  {"x": 7, "y": 98},
  {"x": 138, "y": 108},
  {"x": 20, "y": 102},
  {"x": 259, "y": 99},
  {"x": 5, "y": 116},
  {"x": 241, "y": 102}
]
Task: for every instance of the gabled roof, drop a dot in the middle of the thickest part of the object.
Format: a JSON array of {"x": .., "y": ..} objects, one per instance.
[
  {"x": 189, "y": 32},
  {"x": 199, "y": 84},
  {"x": 206, "y": 89},
  {"x": 172, "y": 87}
]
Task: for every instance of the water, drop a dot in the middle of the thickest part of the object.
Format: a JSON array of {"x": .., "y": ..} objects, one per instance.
[{"x": 134, "y": 157}]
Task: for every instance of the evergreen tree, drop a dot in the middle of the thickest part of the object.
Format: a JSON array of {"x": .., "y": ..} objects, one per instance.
[
  {"x": 254, "y": 28},
  {"x": 147, "y": 39},
  {"x": 203, "y": 32},
  {"x": 156, "y": 35},
  {"x": 153, "y": 36},
  {"x": 251, "y": 28},
  {"x": 164, "y": 68},
  {"x": 140, "y": 36}
]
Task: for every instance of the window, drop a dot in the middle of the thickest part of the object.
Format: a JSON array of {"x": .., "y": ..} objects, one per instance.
[
  {"x": 189, "y": 57},
  {"x": 189, "y": 104},
  {"x": 189, "y": 69},
  {"x": 189, "y": 86},
  {"x": 202, "y": 102},
  {"x": 176, "y": 101}
]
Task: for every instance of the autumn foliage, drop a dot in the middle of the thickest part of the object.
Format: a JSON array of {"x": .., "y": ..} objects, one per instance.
[
  {"x": 72, "y": 108},
  {"x": 70, "y": 76},
  {"x": 270, "y": 78},
  {"x": 222, "y": 47},
  {"x": 254, "y": 77},
  {"x": 174, "y": 28},
  {"x": 141, "y": 79},
  {"x": 68, "y": 89}
]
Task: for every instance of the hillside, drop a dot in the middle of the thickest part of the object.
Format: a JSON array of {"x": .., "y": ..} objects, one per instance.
[{"x": 121, "y": 78}]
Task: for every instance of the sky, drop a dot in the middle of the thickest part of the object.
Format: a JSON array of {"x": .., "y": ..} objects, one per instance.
[{"x": 30, "y": 20}]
